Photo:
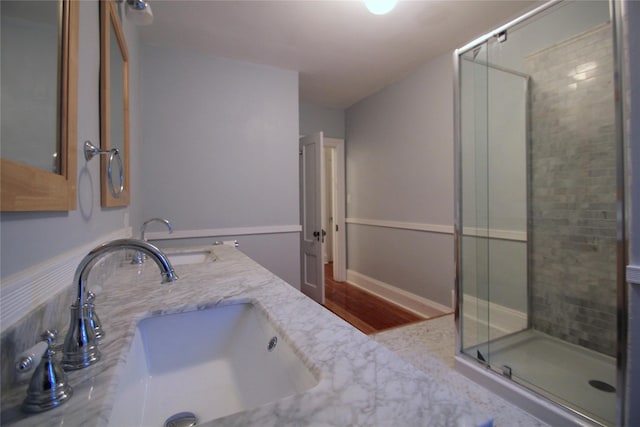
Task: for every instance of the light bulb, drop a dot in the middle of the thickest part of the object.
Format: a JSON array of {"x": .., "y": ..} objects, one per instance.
[
  {"x": 139, "y": 12},
  {"x": 380, "y": 7}
]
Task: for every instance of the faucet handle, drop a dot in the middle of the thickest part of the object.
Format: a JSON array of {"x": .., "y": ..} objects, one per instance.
[
  {"x": 48, "y": 387},
  {"x": 94, "y": 320},
  {"x": 51, "y": 337},
  {"x": 91, "y": 297}
]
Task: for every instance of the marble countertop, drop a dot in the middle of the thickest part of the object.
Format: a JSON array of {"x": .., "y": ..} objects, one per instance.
[{"x": 360, "y": 382}]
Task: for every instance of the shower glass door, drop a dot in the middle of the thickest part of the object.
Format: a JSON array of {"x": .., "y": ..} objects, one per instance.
[
  {"x": 537, "y": 232},
  {"x": 494, "y": 202},
  {"x": 474, "y": 245}
]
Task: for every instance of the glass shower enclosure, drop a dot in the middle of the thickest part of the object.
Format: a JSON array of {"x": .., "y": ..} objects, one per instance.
[{"x": 539, "y": 208}]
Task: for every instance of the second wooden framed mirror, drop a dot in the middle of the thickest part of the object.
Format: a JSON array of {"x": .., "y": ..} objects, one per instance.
[{"x": 114, "y": 106}]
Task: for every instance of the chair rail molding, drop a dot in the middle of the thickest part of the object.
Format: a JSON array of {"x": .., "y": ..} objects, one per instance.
[
  {"x": 223, "y": 232},
  {"x": 415, "y": 226},
  {"x": 514, "y": 235}
]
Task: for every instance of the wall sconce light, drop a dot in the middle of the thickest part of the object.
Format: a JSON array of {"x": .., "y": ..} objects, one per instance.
[
  {"x": 138, "y": 11},
  {"x": 380, "y": 7}
]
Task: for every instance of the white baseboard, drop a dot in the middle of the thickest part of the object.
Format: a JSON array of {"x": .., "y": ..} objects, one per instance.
[
  {"x": 24, "y": 291},
  {"x": 504, "y": 320},
  {"x": 419, "y": 305}
]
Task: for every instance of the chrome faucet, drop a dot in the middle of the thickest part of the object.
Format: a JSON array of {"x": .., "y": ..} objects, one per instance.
[
  {"x": 139, "y": 257},
  {"x": 80, "y": 347}
]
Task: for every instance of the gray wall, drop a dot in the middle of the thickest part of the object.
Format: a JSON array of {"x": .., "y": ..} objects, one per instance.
[
  {"x": 134, "y": 212},
  {"x": 220, "y": 141},
  {"x": 399, "y": 153},
  {"x": 316, "y": 118},
  {"x": 31, "y": 238},
  {"x": 633, "y": 48}
]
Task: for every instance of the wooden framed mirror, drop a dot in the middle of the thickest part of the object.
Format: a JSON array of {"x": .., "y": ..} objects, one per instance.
[
  {"x": 38, "y": 170},
  {"x": 114, "y": 105}
]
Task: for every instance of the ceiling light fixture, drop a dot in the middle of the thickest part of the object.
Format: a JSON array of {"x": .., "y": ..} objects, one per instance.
[{"x": 380, "y": 7}]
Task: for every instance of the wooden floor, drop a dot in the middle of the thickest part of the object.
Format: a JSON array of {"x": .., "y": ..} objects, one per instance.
[{"x": 362, "y": 309}]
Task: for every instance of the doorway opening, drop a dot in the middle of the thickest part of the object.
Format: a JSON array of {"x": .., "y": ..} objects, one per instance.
[
  {"x": 333, "y": 208},
  {"x": 323, "y": 241}
]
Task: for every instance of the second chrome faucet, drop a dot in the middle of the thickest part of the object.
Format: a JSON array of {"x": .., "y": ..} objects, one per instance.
[{"x": 138, "y": 257}]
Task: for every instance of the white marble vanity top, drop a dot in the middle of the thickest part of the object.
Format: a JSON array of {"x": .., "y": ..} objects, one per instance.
[{"x": 361, "y": 383}]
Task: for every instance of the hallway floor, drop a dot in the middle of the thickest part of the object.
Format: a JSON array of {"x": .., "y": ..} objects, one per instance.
[{"x": 365, "y": 311}]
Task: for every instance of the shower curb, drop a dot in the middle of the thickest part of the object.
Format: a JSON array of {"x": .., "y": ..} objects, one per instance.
[{"x": 526, "y": 399}]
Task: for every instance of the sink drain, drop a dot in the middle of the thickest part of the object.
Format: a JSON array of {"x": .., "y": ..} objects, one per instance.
[
  {"x": 273, "y": 342},
  {"x": 181, "y": 419},
  {"x": 602, "y": 386}
]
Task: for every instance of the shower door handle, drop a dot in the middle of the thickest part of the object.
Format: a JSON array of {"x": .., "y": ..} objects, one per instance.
[{"x": 324, "y": 233}]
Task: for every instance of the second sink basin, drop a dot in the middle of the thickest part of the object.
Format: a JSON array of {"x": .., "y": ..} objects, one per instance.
[
  {"x": 181, "y": 257},
  {"x": 212, "y": 363}
]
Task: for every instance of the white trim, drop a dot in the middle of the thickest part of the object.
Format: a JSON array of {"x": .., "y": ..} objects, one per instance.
[
  {"x": 222, "y": 232},
  {"x": 633, "y": 274},
  {"x": 518, "y": 236},
  {"x": 504, "y": 320},
  {"x": 416, "y": 226},
  {"x": 24, "y": 291},
  {"x": 407, "y": 300}
]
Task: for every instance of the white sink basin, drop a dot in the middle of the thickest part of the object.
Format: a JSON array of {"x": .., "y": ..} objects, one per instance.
[
  {"x": 212, "y": 363},
  {"x": 189, "y": 257}
]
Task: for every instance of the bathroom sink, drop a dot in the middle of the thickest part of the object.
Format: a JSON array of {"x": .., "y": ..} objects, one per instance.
[
  {"x": 180, "y": 257},
  {"x": 210, "y": 363}
]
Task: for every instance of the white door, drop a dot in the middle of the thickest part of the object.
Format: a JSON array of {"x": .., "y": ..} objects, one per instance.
[{"x": 312, "y": 266}]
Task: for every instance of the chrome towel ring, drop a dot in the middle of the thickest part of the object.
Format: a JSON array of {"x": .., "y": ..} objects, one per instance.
[{"x": 90, "y": 151}]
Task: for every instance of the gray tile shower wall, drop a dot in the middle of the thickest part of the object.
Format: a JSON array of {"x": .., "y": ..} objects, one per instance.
[
  {"x": 573, "y": 190},
  {"x": 52, "y": 315}
]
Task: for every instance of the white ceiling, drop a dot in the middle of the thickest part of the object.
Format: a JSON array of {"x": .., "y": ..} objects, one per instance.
[{"x": 342, "y": 52}]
